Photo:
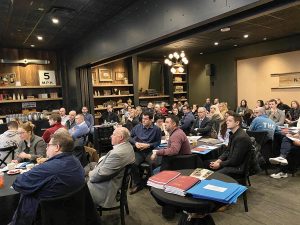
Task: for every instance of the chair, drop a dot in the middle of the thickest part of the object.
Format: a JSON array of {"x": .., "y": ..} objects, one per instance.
[
  {"x": 9, "y": 150},
  {"x": 243, "y": 178},
  {"x": 76, "y": 208},
  {"x": 179, "y": 162},
  {"x": 122, "y": 196},
  {"x": 265, "y": 145},
  {"x": 102, "y": 141}
]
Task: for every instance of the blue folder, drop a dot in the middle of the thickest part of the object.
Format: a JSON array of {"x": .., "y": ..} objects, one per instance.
[{"x": 228, "y": 192}]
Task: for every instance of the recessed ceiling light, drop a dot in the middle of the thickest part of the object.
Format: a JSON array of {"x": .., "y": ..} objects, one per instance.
[
  {"x": 216, "y": 43},
  {"x": 235, "y": 45},
  {"x": 201, "y": 53},
  {"x": 41, "y": 9},
  {"x": 40, "y": 38},
  {"x": 246, "y": 35},
  {"x": 225, "y": 29},
  {"x": 55, "y": 20},
  {"x": 265, "y": 38},
  {"x": 32, "y": 46}
]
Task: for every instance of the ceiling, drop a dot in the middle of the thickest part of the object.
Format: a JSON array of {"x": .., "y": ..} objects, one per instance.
[
  {"x": 22, "y": 20},
  {"x": 275, "y": 25}
]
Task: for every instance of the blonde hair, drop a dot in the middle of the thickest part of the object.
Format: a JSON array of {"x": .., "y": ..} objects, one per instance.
[{"x": 28, "y": 126}]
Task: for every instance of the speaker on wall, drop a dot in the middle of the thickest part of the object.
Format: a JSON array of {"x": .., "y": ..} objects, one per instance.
[{"x": 210, "y": 69}]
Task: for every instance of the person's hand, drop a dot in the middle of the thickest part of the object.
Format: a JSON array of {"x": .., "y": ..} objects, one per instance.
[
  {"x": 41, "y": 160},
  {"x": 14, "y": 161},
  {"x": 23, "y": 155},
  {"x": 296, "y": 143},
  {"x": 289, "y": 135},
  {"x": 214, "y": 165},
  {"x": 153, "y": 156}
]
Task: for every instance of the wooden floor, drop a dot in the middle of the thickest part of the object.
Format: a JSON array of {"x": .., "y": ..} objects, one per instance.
[{"x": 271, "y": 202}]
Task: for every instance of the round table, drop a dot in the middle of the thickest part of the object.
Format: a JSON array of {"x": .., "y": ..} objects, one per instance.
[
  {"x": 189, "y": 204},
  {"x": 9, "y": 199}
]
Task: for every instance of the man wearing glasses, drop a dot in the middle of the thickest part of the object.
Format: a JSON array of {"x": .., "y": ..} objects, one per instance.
[
  {"x": 263, "y": 123},
  {"x": 62, "y": 173}
]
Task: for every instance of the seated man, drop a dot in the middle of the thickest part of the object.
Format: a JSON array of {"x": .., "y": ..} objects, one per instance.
[
  {"x": 109, "y": 116},
  {"x": 178, "y": 143},
  {"x": 106, "y": 178},
  {"x": 88, "y": 118},
  {"x": 59, "y": 175},
  {"x": 80, "y": 131},
  {"x": 202, "y": 126},
  {"x": 232, "y": 161},
  {"x": 287, "y": 146},
  {"x": 187, "y": 120},
  {"x": 144, "y": 137},
  {"x": 71, "y": 121},
  {"x": 263, "y": 123},
  {"x": 275, "y": 114},
  {"x": 55, "y": 124},
  {"x": 63, "y": 116},
  {"x": 9, "y": 138}
]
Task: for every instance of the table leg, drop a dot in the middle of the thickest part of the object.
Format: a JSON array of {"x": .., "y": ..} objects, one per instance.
[{"x": 191, "y": 219}]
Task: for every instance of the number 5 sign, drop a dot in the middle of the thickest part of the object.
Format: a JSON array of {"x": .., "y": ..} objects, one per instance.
[{"x": 47, "y": 77}]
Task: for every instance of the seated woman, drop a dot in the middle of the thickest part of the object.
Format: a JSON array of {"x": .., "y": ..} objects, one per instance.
[
  {"x": 242, "y": 108},
  {"x": 293, "y": 114},
  {"x": 215, "y": 117},
  {"x": 195, "y": 110},
  {"x": 31, "y": 146},
  {"x": 260, "y": 103},
  {"x": 223, "y": 108},
  {"x": 160, "y": 122},
  {"x": 223, "y": 134}
]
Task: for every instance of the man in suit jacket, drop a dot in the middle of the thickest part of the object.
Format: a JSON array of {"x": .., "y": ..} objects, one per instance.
[
  {"x": 106, "y": 178},
  {"x": 202, "y": 125},
  {"x": 233, "y": 160}
]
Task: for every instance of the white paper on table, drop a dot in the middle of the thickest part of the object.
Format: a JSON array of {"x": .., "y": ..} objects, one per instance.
[{"x": 214, "y": 188}]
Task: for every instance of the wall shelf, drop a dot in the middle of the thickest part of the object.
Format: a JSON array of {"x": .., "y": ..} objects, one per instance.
[
  {"x": 182, "y": 99},
  {"x": 156, "y": 96},
  {"x": 179, "y": 82},
  {"x": 31, "y": 100},
  {"x": 28, "y": 87},
  {"x": 113, "y": 85},
  {"x": 290, "y": 87},
  {"x": 103, "y": 108},
  {"x": 180, "y": 92},
  {"x": 113, "y": 96}
]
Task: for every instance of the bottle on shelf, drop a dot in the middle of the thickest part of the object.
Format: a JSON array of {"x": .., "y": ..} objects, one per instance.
[
  {"x": 14, "y": 96},
  {"x": 22, "y": 96},
  {"x": 18, "y": 97}
]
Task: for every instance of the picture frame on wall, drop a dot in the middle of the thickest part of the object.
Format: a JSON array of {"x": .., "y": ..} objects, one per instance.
[
  {"x": 119, "y": 76},
  {"x": 105, "y": 75}
]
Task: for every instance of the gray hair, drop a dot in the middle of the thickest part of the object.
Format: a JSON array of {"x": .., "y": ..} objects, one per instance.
[{"x": 124, "y": 132}]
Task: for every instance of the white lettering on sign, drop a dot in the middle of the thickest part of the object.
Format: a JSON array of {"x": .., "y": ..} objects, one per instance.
[{"x": 47, "y": 77}]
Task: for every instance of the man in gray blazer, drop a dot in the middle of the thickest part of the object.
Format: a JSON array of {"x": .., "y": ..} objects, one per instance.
[{"x": 106, "y": 178}]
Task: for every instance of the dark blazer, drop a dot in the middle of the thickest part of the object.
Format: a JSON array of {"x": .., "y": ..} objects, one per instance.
[
  {"x": 110, "y": 117},
  {"x": 204, "y": 129},
  {"x": 234, "y": 157}
]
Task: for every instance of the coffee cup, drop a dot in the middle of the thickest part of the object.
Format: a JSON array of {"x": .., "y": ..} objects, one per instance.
[
  {"x": 11, "y": 166},
  {"x": 29, "y": 166}
]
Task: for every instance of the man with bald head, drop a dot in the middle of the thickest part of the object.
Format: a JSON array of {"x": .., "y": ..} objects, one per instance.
[
  {"x": 202, "y": 126},
  {"x": 263, "y": 123},
  {"x": 106, "y": 178},
  {"x": 63, "y": 116},
  {"x": 71, "y": 121}
]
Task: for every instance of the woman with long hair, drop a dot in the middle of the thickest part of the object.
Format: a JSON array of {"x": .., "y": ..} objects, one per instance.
[
  {"x": 242, "y": 108},
  {"x": 31, "y": 146},
  {"x": 216, "y": 117},
  {"x": 293, "y": 114}
]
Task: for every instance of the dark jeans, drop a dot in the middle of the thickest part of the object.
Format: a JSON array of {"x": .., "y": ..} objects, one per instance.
[
  {"x": 287, "y": 146},
  {"x": 140, "y": 157}
]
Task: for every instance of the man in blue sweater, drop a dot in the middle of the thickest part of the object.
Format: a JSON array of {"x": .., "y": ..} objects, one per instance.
[
  {"x": 187, "y": 120},
  {"x": 62, "y": 173},
  {"x": 263, "y": 123}
]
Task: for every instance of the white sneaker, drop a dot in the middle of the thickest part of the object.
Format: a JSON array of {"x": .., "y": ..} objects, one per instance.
[
  {"x": 278, "y": 160},
  {"x": 279, "y": 175}
]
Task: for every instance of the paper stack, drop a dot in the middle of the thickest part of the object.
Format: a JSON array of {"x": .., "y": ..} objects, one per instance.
[
  {"x": 180, "y": 185},
  {"x": 161, "y": 179},
  {"x": 217, "y": 190}
]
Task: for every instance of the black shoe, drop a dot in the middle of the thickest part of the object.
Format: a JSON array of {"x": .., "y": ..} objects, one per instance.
[{"x": 135, "y": 189}]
